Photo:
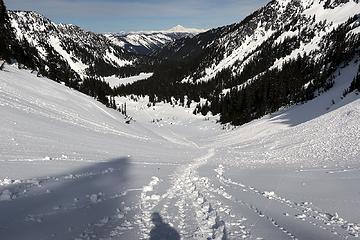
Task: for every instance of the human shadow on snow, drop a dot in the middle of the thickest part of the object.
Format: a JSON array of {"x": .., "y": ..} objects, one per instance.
[
  {"x": 61, "y": 207},
  {"x": 162, "y": 230}
]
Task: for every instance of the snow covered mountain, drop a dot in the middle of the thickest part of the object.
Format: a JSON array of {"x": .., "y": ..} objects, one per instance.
[
  {"x": 283, "y": 53},
  {"x": 148, "y": 42},
  {"x": 66, "y": 53},
  {"x": 301, "y": 24},
  {"x": 78, "y": 52}
]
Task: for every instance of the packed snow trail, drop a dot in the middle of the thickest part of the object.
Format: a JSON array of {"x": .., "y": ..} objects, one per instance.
[{"x": 72, "y": 169}]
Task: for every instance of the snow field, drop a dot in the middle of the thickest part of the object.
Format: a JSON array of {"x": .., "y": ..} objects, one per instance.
[{"x": 72, "y": 169}]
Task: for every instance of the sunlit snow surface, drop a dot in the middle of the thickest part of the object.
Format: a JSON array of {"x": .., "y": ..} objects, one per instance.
[
  {"x": 115, "y": 81},
  {"x": 72, "y": 169}
]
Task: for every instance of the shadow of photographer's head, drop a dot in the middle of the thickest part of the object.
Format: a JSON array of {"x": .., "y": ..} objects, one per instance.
[
  {"x": 156, "y": 219},
  {"x": 162, "y": 230}
]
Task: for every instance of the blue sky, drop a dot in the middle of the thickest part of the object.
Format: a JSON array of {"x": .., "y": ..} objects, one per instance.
[{"x": 135, "y": 15}]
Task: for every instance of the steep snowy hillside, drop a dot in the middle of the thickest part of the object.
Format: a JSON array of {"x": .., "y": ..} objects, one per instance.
[
  {"x": 79, "y": 52},
  {"x": 72, "y": 169},
  {"x": 148, "y": 42},
  {"x": 301, "y": 25}
]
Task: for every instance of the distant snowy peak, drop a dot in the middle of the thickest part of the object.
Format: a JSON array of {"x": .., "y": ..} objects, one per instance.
[
  {"x": 147, "y": 42},
  {"x": 175, "y": 29},
  {"x": 182, "y": 29}
]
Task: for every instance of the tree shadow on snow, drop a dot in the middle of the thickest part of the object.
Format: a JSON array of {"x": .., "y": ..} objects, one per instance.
[
  {"x": 63, "y": 207},
  {"x": 161, "y": 230}
]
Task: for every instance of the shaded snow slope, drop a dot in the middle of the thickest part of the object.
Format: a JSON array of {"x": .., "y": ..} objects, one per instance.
[{"x": 72, "y": 169}]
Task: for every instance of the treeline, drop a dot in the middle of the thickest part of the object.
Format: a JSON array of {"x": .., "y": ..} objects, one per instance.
[
  {"x": 270, "y": 91},
  {"x": 10, "y": 48}
]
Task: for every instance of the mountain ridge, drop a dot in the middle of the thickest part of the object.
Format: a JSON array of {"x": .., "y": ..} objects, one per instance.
[
  {"x": 68, "y": 41},
  {"x": 176, "y": 29},
  {"x": 148, "y": 42}
]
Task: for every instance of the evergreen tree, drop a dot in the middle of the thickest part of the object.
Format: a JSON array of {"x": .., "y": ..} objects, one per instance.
[{"x": 5, "y": 33}]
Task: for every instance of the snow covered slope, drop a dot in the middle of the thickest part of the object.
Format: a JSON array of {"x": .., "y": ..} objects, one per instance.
[
  {"x": 147, "y": 42},
  {"x": 69, "y": 165},
  {"x": 72, "y": 169},
  {"x": 66, "y": 116},
  {"x": 285, "y": 137}
]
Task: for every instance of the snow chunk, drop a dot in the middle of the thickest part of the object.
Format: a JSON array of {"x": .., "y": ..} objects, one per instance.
[
  {"x": 155, "y": 197},
  {"x": 95, "y": 198},
  {"x": 149, "y": 188},
  {"x": 6, "y": 195},
  {"x": 300, "y": 216},
  {"x": 269, "y": 195}
]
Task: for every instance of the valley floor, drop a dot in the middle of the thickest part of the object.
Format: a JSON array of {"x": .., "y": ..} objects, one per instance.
[{"x": 72, "y": 169}]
